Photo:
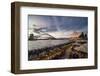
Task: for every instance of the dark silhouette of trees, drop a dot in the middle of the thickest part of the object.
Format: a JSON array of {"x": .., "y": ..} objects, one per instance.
[
  {"x": 31, "y": 37},
  {"x": 83, "y": 36},
  {"x": 86, "y": 36}
]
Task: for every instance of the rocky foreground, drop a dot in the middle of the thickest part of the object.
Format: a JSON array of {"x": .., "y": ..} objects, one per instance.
[{"x": 70, "y": 50}]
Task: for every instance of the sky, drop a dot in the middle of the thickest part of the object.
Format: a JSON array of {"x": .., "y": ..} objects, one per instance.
[{"x": 58, "y": 23}]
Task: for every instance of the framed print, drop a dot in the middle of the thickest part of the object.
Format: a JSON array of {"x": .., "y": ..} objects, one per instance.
[{"x": 52, "y": 37}]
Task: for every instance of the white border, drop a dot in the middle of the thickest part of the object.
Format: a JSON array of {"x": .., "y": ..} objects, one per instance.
[{"x": 25, "y": 64}]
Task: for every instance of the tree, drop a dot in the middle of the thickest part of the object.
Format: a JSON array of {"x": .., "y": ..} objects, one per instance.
[
  {"x": 86, "y": 36},
  {"x": 34, "y": 25},
  {"x": 82, "y": 36},
  {"x": 31, "y": 37}
]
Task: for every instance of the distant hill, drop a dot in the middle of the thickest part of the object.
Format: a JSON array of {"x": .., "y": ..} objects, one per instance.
[
  {"x": 74, "y": 34},
  {"x": 80, "y": 35}
]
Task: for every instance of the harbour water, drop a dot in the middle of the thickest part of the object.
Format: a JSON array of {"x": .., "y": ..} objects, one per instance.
[{"x": 37, "y": 44}]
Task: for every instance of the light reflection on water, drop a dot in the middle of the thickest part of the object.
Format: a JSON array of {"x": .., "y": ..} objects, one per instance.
[{"x": 36, "y": 44}]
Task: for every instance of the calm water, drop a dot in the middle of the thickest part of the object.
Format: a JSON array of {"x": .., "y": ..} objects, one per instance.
[{"x": 44, "y": 43}]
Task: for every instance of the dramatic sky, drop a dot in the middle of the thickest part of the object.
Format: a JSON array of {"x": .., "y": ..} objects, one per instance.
[{"x": 59, "y": 23}]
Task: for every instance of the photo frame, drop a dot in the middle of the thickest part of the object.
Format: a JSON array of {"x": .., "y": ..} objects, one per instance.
[{"x": 52, "y": 37}]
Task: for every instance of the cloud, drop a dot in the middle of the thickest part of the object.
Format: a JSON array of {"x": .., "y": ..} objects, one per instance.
[{"x": 59, "y": 23}]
